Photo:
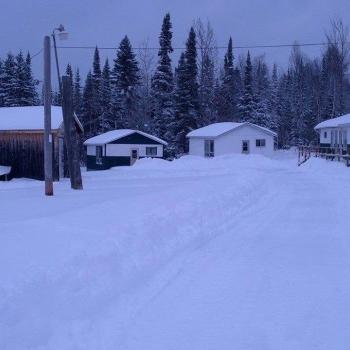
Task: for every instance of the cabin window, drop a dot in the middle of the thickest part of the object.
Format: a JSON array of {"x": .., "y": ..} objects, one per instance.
[
  {"x": 209, "y": 148},
  {"x": 99, "y": 155},
  {"x": 151, "y": 151},
  {"x": 325, "y": 134},
  {"x": 260, "y": 143}
]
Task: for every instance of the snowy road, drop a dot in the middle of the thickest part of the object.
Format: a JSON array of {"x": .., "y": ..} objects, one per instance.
[
  {"x": 242, "y": 253},
  {"x": 277, "y": 279}
]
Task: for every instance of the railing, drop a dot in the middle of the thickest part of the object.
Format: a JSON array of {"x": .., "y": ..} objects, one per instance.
[{"x": 340, "y": 153}]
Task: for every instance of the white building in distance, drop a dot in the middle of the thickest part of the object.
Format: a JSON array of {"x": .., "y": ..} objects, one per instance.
[{"x": 228, "y": 137}]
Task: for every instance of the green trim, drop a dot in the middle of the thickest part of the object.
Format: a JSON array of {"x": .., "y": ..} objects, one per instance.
[
  {"x": 107, "y": 162},
  {"x": 136, "y": 139}
]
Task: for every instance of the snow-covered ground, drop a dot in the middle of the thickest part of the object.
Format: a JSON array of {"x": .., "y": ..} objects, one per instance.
[{"x": 239, "y": 252}]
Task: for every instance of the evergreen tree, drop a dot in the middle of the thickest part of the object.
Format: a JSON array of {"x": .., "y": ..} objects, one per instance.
[
  {"x": 262, "y": 95},
  {"x": 9, "y": 82},
  {"x": 32, "y": 94},
  {"x": 206, "y": 73},
  {"x": 106, "y": 120},
  {"x": 125, "y": 78},
  {"x": 274, "y": 120},
  {"x": 96, "y": 81},
  {"x": 227, "y": 107},
  {"x": 206, "y": 91},
  {"x": 88, "y": 116},
  {"x": 186, "y": 95},
  {"x": 163, "y": 85},
  {"x": 21, "y": 91},
  {"x": 77, "y": 95},
  {"x": 247, "y": 105}
]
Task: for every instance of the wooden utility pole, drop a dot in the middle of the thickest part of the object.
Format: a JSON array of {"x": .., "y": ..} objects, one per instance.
[
  {"x": 70, "y": 134},
  {"x": 47, "y": 119}
]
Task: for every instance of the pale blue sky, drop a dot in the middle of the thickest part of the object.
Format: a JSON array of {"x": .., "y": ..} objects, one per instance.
[{"x": 23, "y": 23}]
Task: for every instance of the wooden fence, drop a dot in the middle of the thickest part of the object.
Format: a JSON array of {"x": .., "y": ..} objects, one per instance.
[{"x": 331, "y": 153}]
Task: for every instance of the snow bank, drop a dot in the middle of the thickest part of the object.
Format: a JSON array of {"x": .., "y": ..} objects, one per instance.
[{"x": 4, "y": 170}]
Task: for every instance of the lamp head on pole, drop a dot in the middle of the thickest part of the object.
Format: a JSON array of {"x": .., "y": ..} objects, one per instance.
[{"x": 62, "y": 34}]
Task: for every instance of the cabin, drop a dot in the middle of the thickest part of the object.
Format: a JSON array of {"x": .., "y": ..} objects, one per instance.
[
  {"x": 229, "y": 138},
  {"x": 22, "y": 141},
  {"x": 121, "y": 147},
  {"x": 334, "y": 135}
]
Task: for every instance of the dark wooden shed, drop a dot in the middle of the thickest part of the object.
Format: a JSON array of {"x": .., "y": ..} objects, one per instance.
[{"x": 22, "y": 140}]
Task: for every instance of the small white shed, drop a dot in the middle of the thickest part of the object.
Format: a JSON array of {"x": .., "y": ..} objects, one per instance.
[{"x": 227, "y": 138}]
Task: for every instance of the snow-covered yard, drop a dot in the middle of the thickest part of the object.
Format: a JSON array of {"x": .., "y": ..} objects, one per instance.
[{"x": 229, "y": 253}]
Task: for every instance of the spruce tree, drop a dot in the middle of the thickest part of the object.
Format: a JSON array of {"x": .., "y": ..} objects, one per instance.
[
  {"x": 32, "y": 94},
  {"x": 21, "y": 88},
  {"x": 88, "y": 115},
  {"x": 262, "y": 96},
  {"x": 274, "y": 119},
  {"x": 106, "y": 120},
  {"x": 9, "y": 82},
  {"x": 227, "y": 111},
  {"x": 186, "y": 95},
  {"x": 96, "y": 81},
  {"x": 191, "y": 75},
  {"x": 125, "y": 79},
  {"x": 77, "y": 95},
  {"x": 247, "y": 106},
  {"x": 163, "y": 85}
]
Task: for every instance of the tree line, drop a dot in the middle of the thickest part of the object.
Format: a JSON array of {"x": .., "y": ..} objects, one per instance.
[
  {"x": 17, "y": 84},
  {"x": 141, "y": 91}
]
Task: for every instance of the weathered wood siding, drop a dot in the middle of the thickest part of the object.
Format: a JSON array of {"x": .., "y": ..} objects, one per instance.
[{"x": 24, "y": 152}]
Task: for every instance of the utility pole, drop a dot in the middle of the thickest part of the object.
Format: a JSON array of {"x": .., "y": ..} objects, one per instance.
[
  {"x": 70, "y": 134},
  {"x": 47, "y": 119}
]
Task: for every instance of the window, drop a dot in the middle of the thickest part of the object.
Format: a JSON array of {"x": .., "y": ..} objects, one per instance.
[
  {"x": 245, "y": 146},
  {"x": 151, "y": 151},
  {"x": 209, "y": 148},
  {"x": 99, "y": 155},
  {"x": 325, "y": 134},
  {"x": 260, "y": 143}
]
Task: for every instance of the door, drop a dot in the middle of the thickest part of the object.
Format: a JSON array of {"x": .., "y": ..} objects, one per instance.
[
  {"x": 245, "y": 146},
  {"x": 134, "y": 155}
]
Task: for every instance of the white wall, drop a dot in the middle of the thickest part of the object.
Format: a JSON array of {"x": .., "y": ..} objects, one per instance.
[
  {"x": 231, "y": 142},
  {"x": 196, "y": 146},
  {"x": 91, "y": 150},
  {"x": 124, "y": 150},
  {"x": 326, "y": 139}
]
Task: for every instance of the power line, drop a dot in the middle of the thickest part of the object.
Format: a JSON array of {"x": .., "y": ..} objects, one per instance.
[
  {"x": 213, "y": 47},
  {"x": 36, "y": 54}
]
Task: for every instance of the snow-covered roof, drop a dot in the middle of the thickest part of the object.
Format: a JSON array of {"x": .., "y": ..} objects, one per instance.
[
  {"x": 30, "y": 118},
  {"x": 217, "y": 129},
  {"x": 4, "y": 170},
  {"x": 114, "y": 135},
  {"x": 335, "y": 122}
]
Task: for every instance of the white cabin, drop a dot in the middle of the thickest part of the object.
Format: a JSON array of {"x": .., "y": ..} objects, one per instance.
[
  {"x": 335, "y": 133},
  {"x": 228, "y": 137},
  {"x": 121, "y": 147}
]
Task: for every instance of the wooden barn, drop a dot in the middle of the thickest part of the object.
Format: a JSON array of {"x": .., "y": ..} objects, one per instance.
[
  {"x": 22, "y": 141},
  {"x": 121, "y": 147}
]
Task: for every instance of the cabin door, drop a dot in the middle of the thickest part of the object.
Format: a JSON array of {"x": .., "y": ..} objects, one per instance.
[
  {"x": 134, "y": 156},
  {"x": 245, "y": 146}
]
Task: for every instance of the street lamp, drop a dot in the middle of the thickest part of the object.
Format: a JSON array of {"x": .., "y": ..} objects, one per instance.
[{"x": 62, "y": 35}]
